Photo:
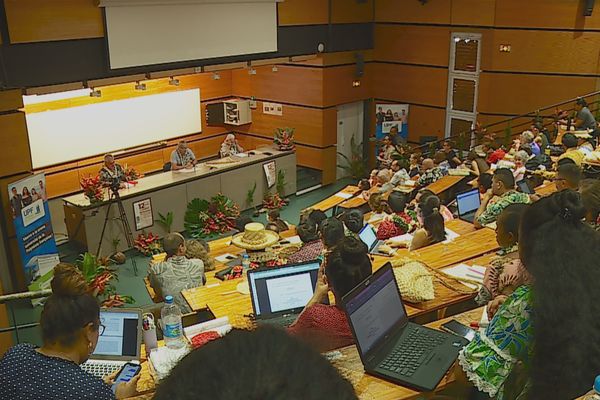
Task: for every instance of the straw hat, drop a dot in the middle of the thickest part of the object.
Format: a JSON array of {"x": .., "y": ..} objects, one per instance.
[{"x": 255, "y": 237}]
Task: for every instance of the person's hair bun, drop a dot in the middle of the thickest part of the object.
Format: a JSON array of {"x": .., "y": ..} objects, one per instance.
[
  {"x": 351, "y": 249},
  {"x": 569, "y": 204},
  {"x": 68, "y": 281}
]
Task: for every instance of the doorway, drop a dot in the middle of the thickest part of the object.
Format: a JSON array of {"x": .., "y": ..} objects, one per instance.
[{"x": 350, "y": 123}]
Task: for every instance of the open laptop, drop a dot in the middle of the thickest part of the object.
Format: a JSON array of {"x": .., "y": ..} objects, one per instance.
[
  {"x": 389, "y": 345},
  {"x": 524, "y": 187},
  {"x": 467, "y": 204},
  {"x": 280, "y": 294},
  {"x": 369, "y": 237},
  {"x": 120, "y": 342}
]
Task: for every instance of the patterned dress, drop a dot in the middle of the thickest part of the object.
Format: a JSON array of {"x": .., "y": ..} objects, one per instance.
[{"x": 489, "y": 359}]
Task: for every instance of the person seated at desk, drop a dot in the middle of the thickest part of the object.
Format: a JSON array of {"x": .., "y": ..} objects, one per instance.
[
  {"x": 200, "y": 250},
  {"x": 569, "y": 141},
  {"x": 440, "y": 161},
  {"x": 503, "y": 186},
  {"x": 274, "y": 217},
  {"x": 590, "y": 197},
  {"x": 484, "y": 183},
  {"x": 111, "y": 172},
  {"x": 384, "y": 157},
  {"x": 477, "y": 164},
  {"x": 70, "y": 327},
  {"x": 312, "y": 246},
  {"x": 568, "y": 176},
  {"x": 539, "y": 339},
  {"x": 506, "y": 272},
  {"x": 450, "y": 154},
  {"x": 430, "y": 173},
  {"x": 494, "y": 153},
  {"x": 378, "y": 206},
  {"x": 176, "y": 273},
  {"x": 230, "y": 146},
  {"x": 585, "y": 119},
  {"x": 331, "y": 232},
  {"x": 528, "y": 138},
  {"x": 182, "y": 157},
  {"x": 354, "y": 221},
  {"x": 521, "y": 157},
  {"x": 401, "y": 221},
  {"x": 420, "y": 198},
  {"x": 265, "y": 363},
  {"x": 398, "y": 178},
  {"x": 414, "y": 168},
  {"x": 324, "y": 326}
]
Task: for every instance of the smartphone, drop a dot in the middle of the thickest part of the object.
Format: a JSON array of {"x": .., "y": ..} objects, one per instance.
[
  {"x": 459, "y": 329},
  {"x": 127, "y": 373}
]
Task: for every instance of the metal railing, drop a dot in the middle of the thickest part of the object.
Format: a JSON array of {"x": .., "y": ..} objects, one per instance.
[{"x": 8, "y": 299}]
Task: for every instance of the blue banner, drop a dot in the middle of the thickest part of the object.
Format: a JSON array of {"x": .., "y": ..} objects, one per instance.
[{"x": 31, "y": 217}]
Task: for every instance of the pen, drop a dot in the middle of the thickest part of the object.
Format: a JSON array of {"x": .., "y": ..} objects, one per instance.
[{"x": 476, "y": 271}]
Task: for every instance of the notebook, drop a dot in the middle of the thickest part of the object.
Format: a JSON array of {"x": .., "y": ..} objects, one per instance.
[
  {"x": 119, "y": 343},
  {"x": 280, "y": 294},
  {"x": 389, "y": 345}
]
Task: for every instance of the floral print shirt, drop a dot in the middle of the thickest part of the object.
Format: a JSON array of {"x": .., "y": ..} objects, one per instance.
[
  {"x": 430, "y": 176},
  {"x": 494, "y": 209}
]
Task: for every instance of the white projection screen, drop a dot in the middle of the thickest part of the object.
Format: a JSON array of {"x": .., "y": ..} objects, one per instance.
[
  {"x": 157, "y": 32},
  {"x": 68, "y": 134}
]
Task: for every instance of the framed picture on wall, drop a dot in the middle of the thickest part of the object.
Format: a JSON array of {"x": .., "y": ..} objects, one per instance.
[{"x": 142, "y": 213}]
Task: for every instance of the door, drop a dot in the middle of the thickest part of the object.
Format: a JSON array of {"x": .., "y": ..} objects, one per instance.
[
  {"x": 350, "y": 118},
  {"x": 463, "y": 82}
]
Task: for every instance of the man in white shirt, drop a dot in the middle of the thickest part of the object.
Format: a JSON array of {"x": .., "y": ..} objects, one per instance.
[{"x": 400, "y": 176}]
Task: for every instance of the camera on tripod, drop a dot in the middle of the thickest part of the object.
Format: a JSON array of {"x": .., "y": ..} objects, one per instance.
[{"x": 115, "y": 184}]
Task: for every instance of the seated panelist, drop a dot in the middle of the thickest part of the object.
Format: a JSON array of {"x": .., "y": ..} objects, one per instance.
[
  {"x": 230, "y": 146},
  {"x": 182, "y": 157},
  {"x": 111, "y": 172}
]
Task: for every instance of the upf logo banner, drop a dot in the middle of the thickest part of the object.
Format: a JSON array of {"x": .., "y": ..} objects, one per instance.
[{"x": 31, "y": 217}]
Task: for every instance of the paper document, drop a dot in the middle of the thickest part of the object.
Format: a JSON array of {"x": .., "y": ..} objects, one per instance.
[
  {"x": 343, "y": 195},
  {"x": 470, "y": 272},
  {"x": 293, "y": 239},
  {"x": 226, "y": 258},
  {"x": 409, "y": 182},
  {"x": 184, "y": 171},
  {"x": 450, "y": 236},
  {"x": 406, "y": 238}
]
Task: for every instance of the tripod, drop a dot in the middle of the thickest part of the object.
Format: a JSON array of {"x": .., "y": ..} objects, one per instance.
[{"x": 116, "y": 198}]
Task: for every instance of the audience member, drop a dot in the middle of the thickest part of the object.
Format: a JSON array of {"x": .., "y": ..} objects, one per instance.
[
  {"x": 528, "y": 137},
  {"x": 484, "y": 182},
  {"x": 585, "y": 119},
  {"x": 274, "y": 217},
  {"x": 569, "y": 141},
  {"x": 354, "y": 221},
  {"x": 324, "y": 326},
  {"x": 590, "y": 197},
  {"x": 494, "y": 152},
  {"x": 331, "y": 231},
  {"x": 584, "y": 145},
  {"x": 520, "y": 159},
  {"x": 317, "y": 217},
  {"x": 440, "y": 161},
  {"x": 568, "y": 176},
  {"x": 70, "y": 327},
  {"x": 432, "y": 230},
  {"x": 430, "y": 173},
  {"x": 364, "y": 185},
  {"x": 312, "y": 246},
  {"x": 414, "y": 167},
  {"x": 503, "y": 186},
  {"x": 398, "y": 178},
  {"x": 478, "y": 165},
  {"x": 420, "y": 198},
  {"x": 400, "y": 221},
  {"x": 385, "y": 153},
  {"x": 176, "y": 273},
  {"x": 199, "y": 249},
  {"x": 451, "y": 156},
  {"x": 265, "y": 363},
  {"x": 383, "y": 177},
  {"x": 540, "y": 337}
]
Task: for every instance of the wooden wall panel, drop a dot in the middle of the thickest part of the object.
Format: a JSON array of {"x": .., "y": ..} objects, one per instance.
[
  {"x": 410, "y": 84},
  {"x": 336, "y": 58},
  {"x": 473, "y": 12},
  {"x": 61, "y": 183},
  {"x": 425, "y": 121},
  {"x": 321, "y": 159},
  {"x": 149, "y": 161},
  {"x": 11, "y": 99},
  {"x": 521, "y": 93},
  {"x": 14, "y": 144},
  {"x": 566, "y": 14},
  {"x": 338, "y": 88},
  {"x": 303, "y": 12},
  {"x": 290, "y": 84},
  {"x": 42, "y": 20},
  {"x": 309, "y": 124},
  {"x": 435, "y": 11},
  {"x": 412, "y": 44},
  {"x": 351, "y": 11}
]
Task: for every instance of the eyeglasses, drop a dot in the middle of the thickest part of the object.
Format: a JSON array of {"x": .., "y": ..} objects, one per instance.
[{"x": 101, "y": 329}]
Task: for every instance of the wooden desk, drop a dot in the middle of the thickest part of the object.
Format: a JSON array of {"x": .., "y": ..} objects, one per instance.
[
  {"x": 370, "y": 387},
  {"x": 335, "y": 200},
  {"x": 546, "y": 189},
  {"x": 443, "y": 184}
]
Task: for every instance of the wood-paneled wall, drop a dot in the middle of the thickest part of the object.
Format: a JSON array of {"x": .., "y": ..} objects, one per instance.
[{"x": 412, "y": 42}]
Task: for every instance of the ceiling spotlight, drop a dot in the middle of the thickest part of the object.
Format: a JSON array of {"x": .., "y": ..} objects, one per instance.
[
  {"x": 173, "y": 82},
  {"x": 251, "y": 71},
  {"x": 274, "y": 69},
  {"x": 140, "y": 86},
  {"x": 96, "y": 93},
  {"x": 216, "y": 76}
]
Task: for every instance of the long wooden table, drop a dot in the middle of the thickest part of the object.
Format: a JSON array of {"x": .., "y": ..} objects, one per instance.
[
  {"x": 335, "y": 199},
  {"x": 546, "y": 189}
]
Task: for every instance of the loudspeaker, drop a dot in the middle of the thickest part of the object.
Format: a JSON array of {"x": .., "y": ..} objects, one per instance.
[{"x": 588, "y": 7}]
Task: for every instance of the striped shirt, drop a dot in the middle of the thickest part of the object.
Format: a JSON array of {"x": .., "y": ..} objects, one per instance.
[{"x": 175, "y": 274}]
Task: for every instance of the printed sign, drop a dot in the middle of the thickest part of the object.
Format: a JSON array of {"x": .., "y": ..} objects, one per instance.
[{"x": 142, "y": 212}]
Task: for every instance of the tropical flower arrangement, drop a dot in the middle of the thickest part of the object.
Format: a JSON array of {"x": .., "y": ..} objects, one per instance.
[
  {"x": 284, "y": 138},
  {"x": 100, "y": 279},
  {"x": 148, "y": 244},
  {"x": 92, "y": 188},
  {"x": 131, "y": 174},
  {"x": 206, "y": 217},
  {"x": 407, "y": 221},
  {"x": 274, "y": 202}
]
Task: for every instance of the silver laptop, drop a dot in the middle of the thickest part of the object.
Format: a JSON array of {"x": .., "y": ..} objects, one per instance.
[
  {"x": 369, "y": 237},
  {"x": 119, "y": 343},
  {"x": 468, "y": 203}
]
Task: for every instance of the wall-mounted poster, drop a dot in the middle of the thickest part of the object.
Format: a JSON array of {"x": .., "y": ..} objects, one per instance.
[
  {"x": 390, "y": 116},
  {"x": 142, "y": 213},
  {"x": 270, "y": 173},
  {"x": 33, "y": 228}
]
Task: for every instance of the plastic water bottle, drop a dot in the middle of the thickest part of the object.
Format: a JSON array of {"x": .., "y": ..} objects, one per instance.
[
  {"x": 171, "y": 321},
  {"x": 246, "y": 262},
  {"x": 595, "y": 393}
]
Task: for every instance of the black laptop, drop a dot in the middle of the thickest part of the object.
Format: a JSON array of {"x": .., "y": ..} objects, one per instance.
[
  {"x": 280, "y": 294},
  {"x": 390, "y": 346},
  {"x": 467, "y": 204},
  {"x": 525, "y": 187}
]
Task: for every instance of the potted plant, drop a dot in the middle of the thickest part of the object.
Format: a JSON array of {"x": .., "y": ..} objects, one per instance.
[
  {"x": 206, "y": 217},
  {"x": 101, "y": 281},
  {"x": 284, "y": 139},
  {"x": 92, "y": 188},
  {"x": 273, "y": 201},
  {"x": 166, "y": 221},
  {"x": 354, "y": 165},
  {"x": 250, "y": 199},
  {"x": 281, "y": 182},
  {"x": 148, "y": 244}
]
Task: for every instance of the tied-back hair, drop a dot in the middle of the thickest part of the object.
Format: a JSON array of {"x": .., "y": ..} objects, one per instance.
[
  {"x": 347, "y": 266},
  {"x": 433, "y": 221},
  {"x": 69, "y": 308},
  {"x": 562, "y": 253}
]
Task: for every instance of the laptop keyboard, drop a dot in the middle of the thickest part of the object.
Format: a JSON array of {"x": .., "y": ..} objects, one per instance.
[
  {"x": 414, "y": 350},
  {"x": 99, "y": 369},
  {"x": 282, "y": 322}
]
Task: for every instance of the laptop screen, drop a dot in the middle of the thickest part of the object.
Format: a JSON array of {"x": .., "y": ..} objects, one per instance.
[
  {"x": 524, "y": 187},
  {"x": 368, "y": 236},
  {"x": 120, "y": 337},
  {"x": 375, "y": 309},
  {"x": 468, "y": 201},
  {"x": 283, "y": 289}
]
